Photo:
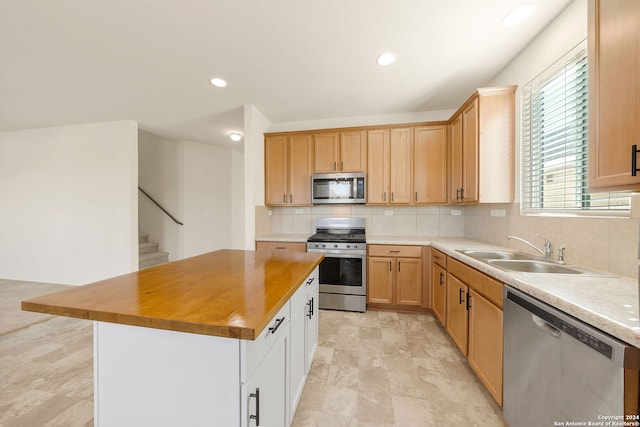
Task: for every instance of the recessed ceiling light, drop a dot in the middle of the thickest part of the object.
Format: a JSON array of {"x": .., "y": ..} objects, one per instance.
[
  {"x": 217, "y": 82},
  {"x": 517, "y": 16},
  {"x": 235, "y": 136},
  {"x": 386, "y": 58}
]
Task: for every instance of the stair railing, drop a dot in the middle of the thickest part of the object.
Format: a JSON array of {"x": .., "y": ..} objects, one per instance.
[{"x": 161, "y": 208}]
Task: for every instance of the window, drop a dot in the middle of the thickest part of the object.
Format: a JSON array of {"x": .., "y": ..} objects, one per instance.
[{"x": 554, "y": 141}]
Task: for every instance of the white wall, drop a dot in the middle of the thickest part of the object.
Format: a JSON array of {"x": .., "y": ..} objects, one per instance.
[
  {"x": 206, "y": 197},
  {"x": 604, "y": 243},
  {"x": 160, "y": 175},
  {"x": 69, "y": 203},
  {"x": 255, "y": 125}
]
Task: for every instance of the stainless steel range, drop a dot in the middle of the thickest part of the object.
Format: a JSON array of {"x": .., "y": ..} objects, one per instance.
[{"x": 343, "y": 272}]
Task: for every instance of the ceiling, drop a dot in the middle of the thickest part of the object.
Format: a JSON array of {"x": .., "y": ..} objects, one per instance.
[{"x": 78, "y": 61}]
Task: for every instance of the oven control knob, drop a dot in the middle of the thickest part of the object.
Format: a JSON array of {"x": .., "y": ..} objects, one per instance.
[
  {"x": 348, "y": 246},
  {"x": 324, "y": 246},
  {"x": 335, "y": 246}
]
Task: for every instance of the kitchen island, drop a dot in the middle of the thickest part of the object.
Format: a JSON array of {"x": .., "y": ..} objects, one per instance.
[{"x": 221, "y": 338}]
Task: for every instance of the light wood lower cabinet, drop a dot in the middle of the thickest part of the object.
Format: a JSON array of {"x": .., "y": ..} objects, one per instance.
[
  {"x": 394, "y": 276},
  {"x": 439, "y": 285},
  {"x": 457, "y": 314},
  {"x": 485, "y": 343},
  {"x": 472, "y": 305},
  {"x": 281, "y": 246}
]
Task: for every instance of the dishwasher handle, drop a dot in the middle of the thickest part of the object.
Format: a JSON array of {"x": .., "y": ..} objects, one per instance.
[{"x": 546, "y": 326}]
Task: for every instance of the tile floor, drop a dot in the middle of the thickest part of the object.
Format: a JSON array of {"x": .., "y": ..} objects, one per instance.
[{"x": 371, "y": 369}]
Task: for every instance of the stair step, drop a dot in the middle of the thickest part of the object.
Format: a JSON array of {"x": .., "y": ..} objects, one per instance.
[
  {"x": 143, "y": 237},
  {"x": 151, "y": 259},
  {"x": 147, "y": 248}
]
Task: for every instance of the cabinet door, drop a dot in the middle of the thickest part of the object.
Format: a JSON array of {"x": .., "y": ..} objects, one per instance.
[
  {"x": 380, "y": 280},
  {"x": 409, "y": 281},
  {"x": 297, "y": 346},
  {"x": 457, "y": 314},
  {"x": 275, "y": 164},
  {"x": 485, "y": 343},
  {"x": 614, "y": 85},
  {"x": 400, "y": 165},
  {"x": 439, "y": 292},
  {"x": 456, "y": 159},
  {"x": 326, "y": 152},
  {"x": 270, "y": 379},
  {"x": 353, "y": 151},
  {"x": 470, "y": 136},
  {"x": 312, "y": 322},
  {"x": 300, "y": 170},
  {"x": 430, "y": 165},
  {"x": 378, "y": 167}
]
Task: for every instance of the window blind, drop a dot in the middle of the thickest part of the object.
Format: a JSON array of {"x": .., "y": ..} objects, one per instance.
[{"x": 554, "y": 141}]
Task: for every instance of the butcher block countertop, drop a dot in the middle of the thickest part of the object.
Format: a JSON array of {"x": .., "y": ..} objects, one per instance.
[{"x": 226, "y": 293}]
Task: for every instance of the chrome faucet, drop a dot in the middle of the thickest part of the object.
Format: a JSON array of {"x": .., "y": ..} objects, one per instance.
[{"x": 548, "y": 249}]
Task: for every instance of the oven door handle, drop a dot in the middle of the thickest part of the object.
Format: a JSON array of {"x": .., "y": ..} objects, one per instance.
[{"x": 338, "y": 253}]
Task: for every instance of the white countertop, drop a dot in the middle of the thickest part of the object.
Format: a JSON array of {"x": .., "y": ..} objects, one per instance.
[
  {"x": 284, "y": 237},
  {"x": 608, "y": 302}
]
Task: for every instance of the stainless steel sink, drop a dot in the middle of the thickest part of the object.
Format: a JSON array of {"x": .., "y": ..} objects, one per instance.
[
  {"x": 533, "y": 266},
  {"x": 499, "y": 255}
]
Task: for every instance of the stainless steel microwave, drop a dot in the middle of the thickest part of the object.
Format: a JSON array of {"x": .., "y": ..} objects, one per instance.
[{"x": 338, "y": 188}]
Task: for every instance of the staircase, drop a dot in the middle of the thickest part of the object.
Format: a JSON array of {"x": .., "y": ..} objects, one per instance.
[{"x": 148, "y": 253}]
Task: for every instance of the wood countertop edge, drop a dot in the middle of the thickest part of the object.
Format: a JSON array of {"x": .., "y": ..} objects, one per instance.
[{"x": 224, "y": 331}]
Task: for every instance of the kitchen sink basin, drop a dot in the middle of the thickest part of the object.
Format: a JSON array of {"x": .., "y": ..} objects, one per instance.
[
  {"x": 533, "y": 266},
  {"x": 497, "y": 255}
]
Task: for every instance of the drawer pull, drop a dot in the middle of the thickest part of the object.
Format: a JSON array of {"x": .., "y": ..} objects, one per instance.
[
  {"x": 441, "y": 278},
  {"x": 275, "y": 327},
  {"x": 281, "y": 247},
  {"x": 634, "y": 160},
  {"x": 256, "y": 417},
  {"x": 394, "y": 252},
  {"x": 436, "y": 257},
  {"x": 310, "y": 281},
  {"x": 460, "y": 296}
]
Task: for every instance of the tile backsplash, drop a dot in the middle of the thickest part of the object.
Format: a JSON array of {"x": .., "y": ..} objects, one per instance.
[{"x": 380, "y": 220}]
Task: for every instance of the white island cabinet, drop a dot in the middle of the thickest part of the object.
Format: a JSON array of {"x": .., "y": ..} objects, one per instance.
[
  {"x": 223, "y": 339},
  {"x": 153, "y": 377}
]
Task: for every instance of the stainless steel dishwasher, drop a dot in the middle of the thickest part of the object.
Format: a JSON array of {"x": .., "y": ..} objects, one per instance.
[{"x": 557, "y": 368}]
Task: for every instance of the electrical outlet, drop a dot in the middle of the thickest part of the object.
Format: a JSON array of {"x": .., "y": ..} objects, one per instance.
[
  {"x": 497, "y": 212},
  {"x": 298, "y": 211},
  {"x": 269, "y": 212},
  {"x": 456, "y": 212},
  {"x": 388, "y": 213}
]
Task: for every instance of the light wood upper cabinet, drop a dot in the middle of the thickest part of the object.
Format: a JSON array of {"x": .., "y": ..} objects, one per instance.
[
  {"x": 430, "y": 164},
  {"x": 340, "y": 151},
  {"x": 378, "y": 166},
  {"x": 353, "y": 151},
  {"x": 288, "y": 170},
  {"x": 390, "y": 154},
  {"x": 614, "y": 88},
  {"x": 482, "y": 147}
]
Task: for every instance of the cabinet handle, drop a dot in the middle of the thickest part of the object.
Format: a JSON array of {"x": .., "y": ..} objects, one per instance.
[
  {"x": 275, "y": 327},
  {"x": 341, "y": 165},
  {"x": 384, "y": 196},
  {"x": 416, "y": 196},
  {"x": 394, "y": 252},
  {"x": 281, "y": 247},
  {"x": 284, "y": 198},
  {"x": 389, "y": 265},
  {"x": 634, "y": 160},
  {"x": 441, "y": 278},
  {"x": 462, "y": 194},
  {"x": 256, "y": 417},
  {"x": 436, "y": 257},
  {"x": 290, "y": 198},
  {"x": 310, "y": 281},
  {"x": 468, "y": 301},
  {"x": 392, "y": 196},
  {"x": 460, "y": 296},
  {"x": 399, "y": 262},
  {"x": 334, "y": 166},
  {"x": 310, "y": 305}
]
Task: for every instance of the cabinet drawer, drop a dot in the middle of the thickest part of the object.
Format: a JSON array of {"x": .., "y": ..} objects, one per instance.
[
  {"x": 439, "y": 258},
  {"x": 395, "y": 251},
  {"x": 255, "y": 350},
  {"x": 281, "y": 246},
  {"x": 483, "y": 284}
]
